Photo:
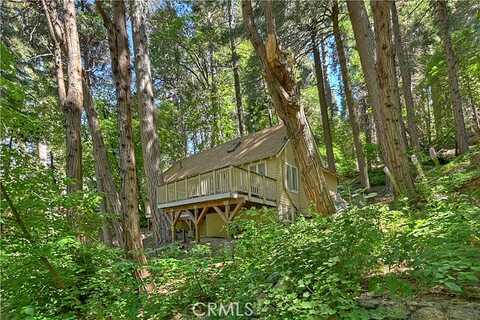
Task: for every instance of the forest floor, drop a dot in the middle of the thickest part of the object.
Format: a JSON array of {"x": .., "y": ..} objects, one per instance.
[
  {"x": 379, "y": 259},
  {"x": 412, "y": 258}
]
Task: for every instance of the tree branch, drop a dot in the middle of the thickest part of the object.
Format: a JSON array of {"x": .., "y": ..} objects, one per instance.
[
  {"x": 57, "y": 279},
  {"x": 252, "y": 29}
]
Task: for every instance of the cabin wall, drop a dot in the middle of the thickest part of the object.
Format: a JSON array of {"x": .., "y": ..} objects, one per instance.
[
  {"x": 213, "y": 226},
  {"x": 271, "y": 166},
  {"x": 298, "y": 199}
]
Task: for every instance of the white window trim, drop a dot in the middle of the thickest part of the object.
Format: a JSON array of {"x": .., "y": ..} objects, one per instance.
[
  {"x": 286, "y": 177},
  {"x": 256, "y": 163}
]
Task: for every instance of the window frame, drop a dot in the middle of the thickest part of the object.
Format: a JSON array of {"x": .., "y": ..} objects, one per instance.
[
  {"x": 287, "y": 165},
  {"x": 256, "y": 164}
]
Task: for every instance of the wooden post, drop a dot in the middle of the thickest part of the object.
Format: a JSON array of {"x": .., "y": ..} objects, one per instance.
[
  {"x": 249, "y": 183},
  {"x": 197, "y": 233},
  {"x": 199, "y": 193},
  {"x": 215, "y": 190},
  {"x": 175, "y": 190},
  {"x": 230, "y": 183},
  {"x": 227, "y": 216},
  {"x": 186, "y": 188},
  {"x": 418, "y": 166},
  {"x": 197, "y": 222},
  {"x": 174, "y": 221},
  {"x": 263, "y": 188}
]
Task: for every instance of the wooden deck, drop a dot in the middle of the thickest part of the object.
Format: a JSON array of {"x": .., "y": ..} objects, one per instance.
[
  {"x": 224, "y": 183},
  {"x": 223, "y": 191}
]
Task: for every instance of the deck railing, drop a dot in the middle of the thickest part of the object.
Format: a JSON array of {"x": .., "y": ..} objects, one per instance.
[{"x": 224, "y": 180}]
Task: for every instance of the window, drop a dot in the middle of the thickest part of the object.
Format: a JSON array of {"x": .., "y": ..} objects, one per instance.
[
  {"x": 292, "y": 177},
  {"x": 259, "y": 167}
]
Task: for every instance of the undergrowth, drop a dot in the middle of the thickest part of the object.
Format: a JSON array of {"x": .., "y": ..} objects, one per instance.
[{"x": 311, "y": 269}]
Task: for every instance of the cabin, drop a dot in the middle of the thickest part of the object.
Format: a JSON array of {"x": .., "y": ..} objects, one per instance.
[{"x": 206, "y": 191}]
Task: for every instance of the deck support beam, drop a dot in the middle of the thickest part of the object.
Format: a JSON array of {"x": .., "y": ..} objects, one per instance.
[
  {"x": 175, "y": 215},
  {"x": 227, "y": 215},
  {"x": 198, "y": 220}
]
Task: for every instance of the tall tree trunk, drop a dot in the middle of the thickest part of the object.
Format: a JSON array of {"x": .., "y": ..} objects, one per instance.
[
  {"x": 236, "y": 75},
  {"x": 66, "y": 42},
  {"x": 74, "y": 99},
  {"x": 103, "y": 169},
  {"x": 148, "y": 130},
  {"x": 327, "y": 133},
  {"x": 283, "y": 91},
  {"x": 362, "y": 165},
  {"x": 438, "y": 112},
  {"x": 326, "y": 81},
  {"x": 475, "y": 112},
  {"x": 120, "y": 56},
  {"x": 460, "y": 132},
  {"x": 396, "y": 157},
  {"x": 366, "y": 48},
  {"x": 406, "y": 80},
  {"x": 398, "y": 103}
]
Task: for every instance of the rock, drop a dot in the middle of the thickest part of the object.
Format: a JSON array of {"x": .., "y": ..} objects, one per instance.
[
  {"x": 463, "y": 312},
  {"x": 398, "y": 312},
  {"x": 473, "y": 292},
  {"x": 428, "y": 313}
]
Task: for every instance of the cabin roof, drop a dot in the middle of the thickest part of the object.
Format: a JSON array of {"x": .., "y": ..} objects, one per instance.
[{"x": 263, "y": 144}]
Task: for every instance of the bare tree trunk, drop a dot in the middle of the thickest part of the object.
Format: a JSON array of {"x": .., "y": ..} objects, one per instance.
[
  {"x": 327, "y": 133},
  {"x": 438, "y": 112},
  {"x": 65, "y": 38},
  {"x": 460, "y": 132},
  {"x": 406, "y": 80},
  {"x": 475, "y": 115},
  {"x": 285, "y": 99},
  {"x": 396, "y": 158},
  {"x": 326, "y": 81},
  {"x": 398, "y": 104},
  {"x": 74, "y": 99},
  {"x": 148, "y": 130},
  {"x": 362, "y": 164},
  {"x": 120, "y": 55},
  {"x": 103, "y": 170},
  {"x": 236, "y": 75},
  {"x": 366, "y": 48}
]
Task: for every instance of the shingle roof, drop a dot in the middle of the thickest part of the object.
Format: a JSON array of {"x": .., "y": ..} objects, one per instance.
[{"x": 256, "y": 146}]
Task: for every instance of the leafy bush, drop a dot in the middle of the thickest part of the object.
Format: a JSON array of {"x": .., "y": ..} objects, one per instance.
[{"x": 312, "y": 268}]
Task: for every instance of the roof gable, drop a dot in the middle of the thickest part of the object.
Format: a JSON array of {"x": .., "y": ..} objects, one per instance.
[{"x": 256, "y": 146}]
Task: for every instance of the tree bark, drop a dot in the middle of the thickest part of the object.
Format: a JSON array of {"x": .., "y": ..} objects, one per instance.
[
  {"x": 361, "y": 162},
  {"x": 326, "y": 82},
  {"x": 327, "y": 133},
  {"x": 406, "y": 80},
  {"x": 443, "y": 26},
  {"x": 366, "y": 46},
  {"x": 437, "y": 108},
  {"x": 65, "y": 38},
  {"x": 148, "y": 130},
  {"x": 285, "y": 98},
  {"x": 396, "y": 157},
  {"x": 103, "y": 169},
  {"x": 120, "y": 56},
  {"x": 74, "y": 99},
  {"x": 235, "y": 69}
]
